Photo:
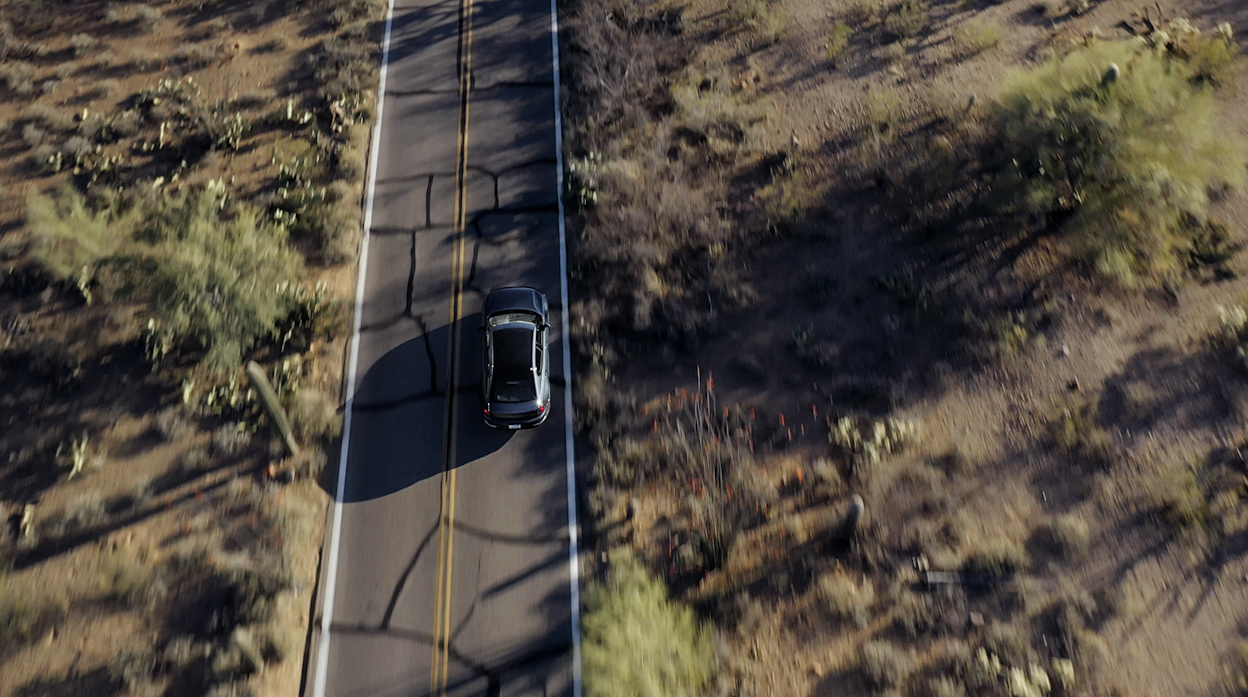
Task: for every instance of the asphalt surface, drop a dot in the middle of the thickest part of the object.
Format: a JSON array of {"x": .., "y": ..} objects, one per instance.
[{"x": 452, "y": 572}]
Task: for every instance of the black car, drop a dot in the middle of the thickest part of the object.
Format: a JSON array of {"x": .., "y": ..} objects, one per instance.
[{"x": 515, "y": 365}]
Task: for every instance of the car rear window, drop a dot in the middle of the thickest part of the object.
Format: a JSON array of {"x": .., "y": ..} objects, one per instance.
[{"x": 508, "y": 390}]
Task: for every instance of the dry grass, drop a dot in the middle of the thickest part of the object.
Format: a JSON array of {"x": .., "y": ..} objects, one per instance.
[
  {"x": 314, "y": 415},
  {"x": 978, "y": 35},
  {"x": 1066, "y": 535},
  {"x": 884, "y": 665},
  {"x": 1076, "y": 431},
  {"x": 24, "y": 616},
  {"x": 847, "y": 599}
]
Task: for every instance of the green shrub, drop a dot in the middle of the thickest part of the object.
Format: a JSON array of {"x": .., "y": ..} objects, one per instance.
[
  {"x": 979, "y": 35},
  {"x": 73, "y": 240},
  {"x": 209, "y": 279},
  {"x": 705, "y": 103},
  {"x": 1076, "y": 431},
  {"x": 354, "y": 10},
  {"x": 862, "y": 11},
  {"x": 345, "y": 69},
  {"x": 838, "y": 41},
  {"x": 637, "y": 643},
  {"x": 906, "y": 19},
  {"x": 1119, "y": 143},
  {"x": 337, "y": 236},
  {"x": 214, "y": 280},
  {"x": 251, "y": 592},
  {"x": 1183, "y": 501}
]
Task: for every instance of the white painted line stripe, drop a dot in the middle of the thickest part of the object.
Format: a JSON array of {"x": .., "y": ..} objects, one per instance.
[
  {"x": 574, "y": 567},
  {"x": 331, "y": 573}
]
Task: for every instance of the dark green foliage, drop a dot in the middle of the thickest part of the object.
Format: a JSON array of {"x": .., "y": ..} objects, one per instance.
[
  {"x": 906, "y": 19},
  {"x": 212, "y": 273},
  {"x": 215, "y": 281},
  {"x": 637, "y": 642},
  {"x": 838, "y": 41},
  {"x": 1117, "y": 145},
  {"x": 250, "y": 592}
]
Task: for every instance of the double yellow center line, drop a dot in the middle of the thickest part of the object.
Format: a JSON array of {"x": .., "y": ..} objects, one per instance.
[{"x": 440, "y": 664}]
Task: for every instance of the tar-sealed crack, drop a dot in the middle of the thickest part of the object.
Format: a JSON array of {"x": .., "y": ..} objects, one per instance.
[
  {"x": 433, "y": 361},
  {"x": 500, "y": 85}
]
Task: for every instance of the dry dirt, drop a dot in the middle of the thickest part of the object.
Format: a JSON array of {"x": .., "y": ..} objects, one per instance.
[
  {"x": 1166, "y": 399},
  {"x": 160, "y": 519}
]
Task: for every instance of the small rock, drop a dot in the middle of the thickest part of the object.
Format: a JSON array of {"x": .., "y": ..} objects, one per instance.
[
  {"x": 1065, "y": 350},
  {"x": 47, "y": 640},
  {"x": 1073, "y": 385},
  {"x": 817, "y": 669},
  {"x": 977, "y": 619}
]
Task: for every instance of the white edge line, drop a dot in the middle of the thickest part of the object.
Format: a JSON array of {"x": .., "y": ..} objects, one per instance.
[
  {"x": 331, "y": 572},
  {"x": 574, "y": 567}
]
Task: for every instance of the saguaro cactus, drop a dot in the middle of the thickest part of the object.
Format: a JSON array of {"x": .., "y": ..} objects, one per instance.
[
  {"x": 272, "y": 405},
  {"x": 856, "y": 508}
]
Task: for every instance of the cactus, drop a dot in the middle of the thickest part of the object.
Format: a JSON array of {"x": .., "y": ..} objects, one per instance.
[
  {"x": 77, "y": 454},
  {"x": 246, "y": 645},
  {"x": 272, "y": 405},
  {"x": 887, "y": 436},
  {"x": 856, "y": 508}
]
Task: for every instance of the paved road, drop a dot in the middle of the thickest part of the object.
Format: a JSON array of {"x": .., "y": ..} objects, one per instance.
[{"x": 451, "y": 573}]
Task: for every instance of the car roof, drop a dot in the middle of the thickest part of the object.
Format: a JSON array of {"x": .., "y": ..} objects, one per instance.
[
  {"x": 513, "y": 300},
  {"x": 513, "y": 347}
]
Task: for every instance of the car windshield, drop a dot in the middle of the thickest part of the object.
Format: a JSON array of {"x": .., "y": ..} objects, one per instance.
[{"x": 514, "y": 389}]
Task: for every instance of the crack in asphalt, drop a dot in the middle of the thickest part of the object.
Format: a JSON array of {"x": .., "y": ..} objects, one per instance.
[
  {"x": 501, "y": 84},
  {"x": 472, "y": 168},
  {"x": 429, "y": 202},
  {"x": 492, "y": 674},
  {"x": 505, "y": 538},
  {"x": 402, "y": 582},
  {"x": 411, "y": 282},
  {"x": 433, "y": 360}
]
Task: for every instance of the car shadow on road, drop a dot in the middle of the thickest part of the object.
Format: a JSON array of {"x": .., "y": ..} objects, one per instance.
[{"x": 398, "y": 429}]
